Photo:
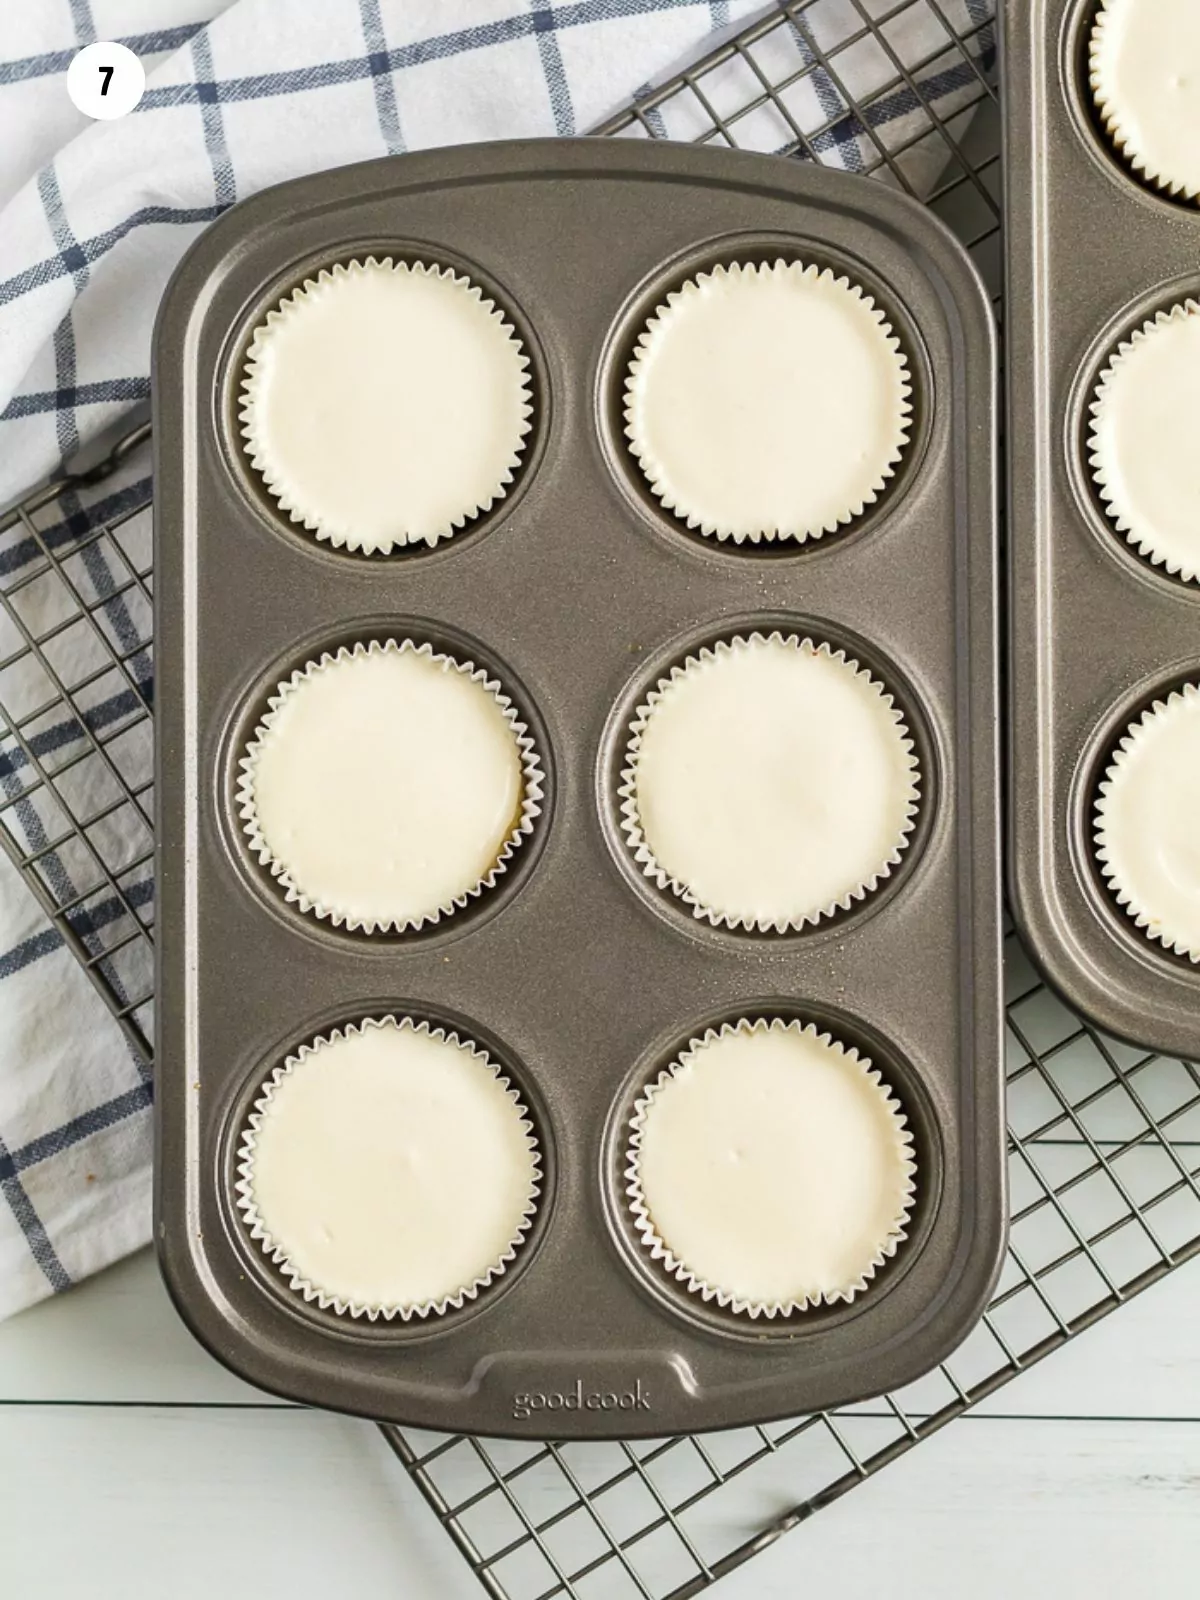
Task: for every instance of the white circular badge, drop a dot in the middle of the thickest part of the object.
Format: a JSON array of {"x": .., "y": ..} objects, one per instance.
[{"x": 105, "y": 80}]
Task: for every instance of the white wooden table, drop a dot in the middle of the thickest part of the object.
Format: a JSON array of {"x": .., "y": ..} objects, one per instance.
[{"x": 132, "y": 1465}]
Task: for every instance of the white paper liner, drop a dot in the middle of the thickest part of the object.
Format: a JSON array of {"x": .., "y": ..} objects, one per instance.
[
  {"x": 659, "y": 1250},
  {"x": 292, "y": 496},
  {"x": 1111, "y": 848},
  {"x": 658, "y": 473},
  {"x": 1147, "y": 539},
  {"x": 532, "y": 782},
  {"x": 630, "y": 820},
  {"x": 313, "y": 1293},
  {"x": 1102, "y": 50}
]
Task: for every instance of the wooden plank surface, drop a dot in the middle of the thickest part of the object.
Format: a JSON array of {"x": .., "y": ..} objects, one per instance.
[
  {"x": 134, "y": 1466},
  {"x": 132, "y": 1502},
  {"x": 117, "y": 1339}
]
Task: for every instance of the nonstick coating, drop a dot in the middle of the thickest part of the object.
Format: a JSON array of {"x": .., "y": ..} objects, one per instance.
[
  {"x": 581, "y": 979},
  {"x": 1097, "y": 633}
]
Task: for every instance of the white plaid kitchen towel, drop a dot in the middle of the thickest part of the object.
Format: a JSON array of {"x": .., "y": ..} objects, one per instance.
[{"x": 93, "y": 217}]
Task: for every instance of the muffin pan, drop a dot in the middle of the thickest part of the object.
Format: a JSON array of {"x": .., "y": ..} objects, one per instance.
[
  {"x": 1098, "y": 632},
  {"x": 577, "y": 975}
]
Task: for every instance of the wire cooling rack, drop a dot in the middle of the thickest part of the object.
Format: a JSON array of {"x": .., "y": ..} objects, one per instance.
[
  {"x": 1104, "y": 1140},
  {"x": 76, "y": 693}
]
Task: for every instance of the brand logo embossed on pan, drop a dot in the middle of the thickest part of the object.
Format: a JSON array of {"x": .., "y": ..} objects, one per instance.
[{"x": 526, "y": 1402}]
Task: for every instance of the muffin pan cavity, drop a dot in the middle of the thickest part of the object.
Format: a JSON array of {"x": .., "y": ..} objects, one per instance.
[
  {"x": 741, "y": 259},
  {"x": 1114, "y": 823},
  {"x": 914, "y": 774},
  {"x": 374, "y": 795},
  {"x": 1135, "y": 103},
  {"x": 1103, "y": 583},
  {"x": 578, "y": 976},
  {"x": 919, "y": 1128},
  {"x": 421, "y": 346},
  {"x": 1145, "y": 418},
  {"x": 347, "y": 1174}
]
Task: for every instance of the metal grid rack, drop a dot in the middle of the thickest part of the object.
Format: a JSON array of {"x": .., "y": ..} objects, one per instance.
[
  {"x": 76, "y": 695},
  {"x": 1104, "y": 1140}
]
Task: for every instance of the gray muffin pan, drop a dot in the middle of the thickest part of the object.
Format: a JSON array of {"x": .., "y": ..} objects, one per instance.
[
  {"x": 578, "y": 591},
  {"x": 1097, "y": 632}
]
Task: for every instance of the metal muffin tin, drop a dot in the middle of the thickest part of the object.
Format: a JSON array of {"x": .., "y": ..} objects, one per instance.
[
  {"x": 1097, "y": 632},
  {"x": 578, "y": 591}
]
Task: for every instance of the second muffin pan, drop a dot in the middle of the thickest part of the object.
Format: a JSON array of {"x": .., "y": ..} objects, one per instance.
[
  {"x": 573, "y": 977},
  {"x": 1100, "y": 630}
]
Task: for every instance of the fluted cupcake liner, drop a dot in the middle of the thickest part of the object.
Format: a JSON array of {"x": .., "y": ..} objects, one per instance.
[
  {"x": 1118, "y": 839},
  {"x": 325, "y": 1298},
  {"x": 294, "y": 497},
  {"x": 660, "y": 1250},
  {"x": 722, "y": 916},
  {"x": 532, "y": 784},
  {"x": 876, "y": 469},
  {"x": 1159, "y": 544},
  {"x": 1120, "y": 121}
]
